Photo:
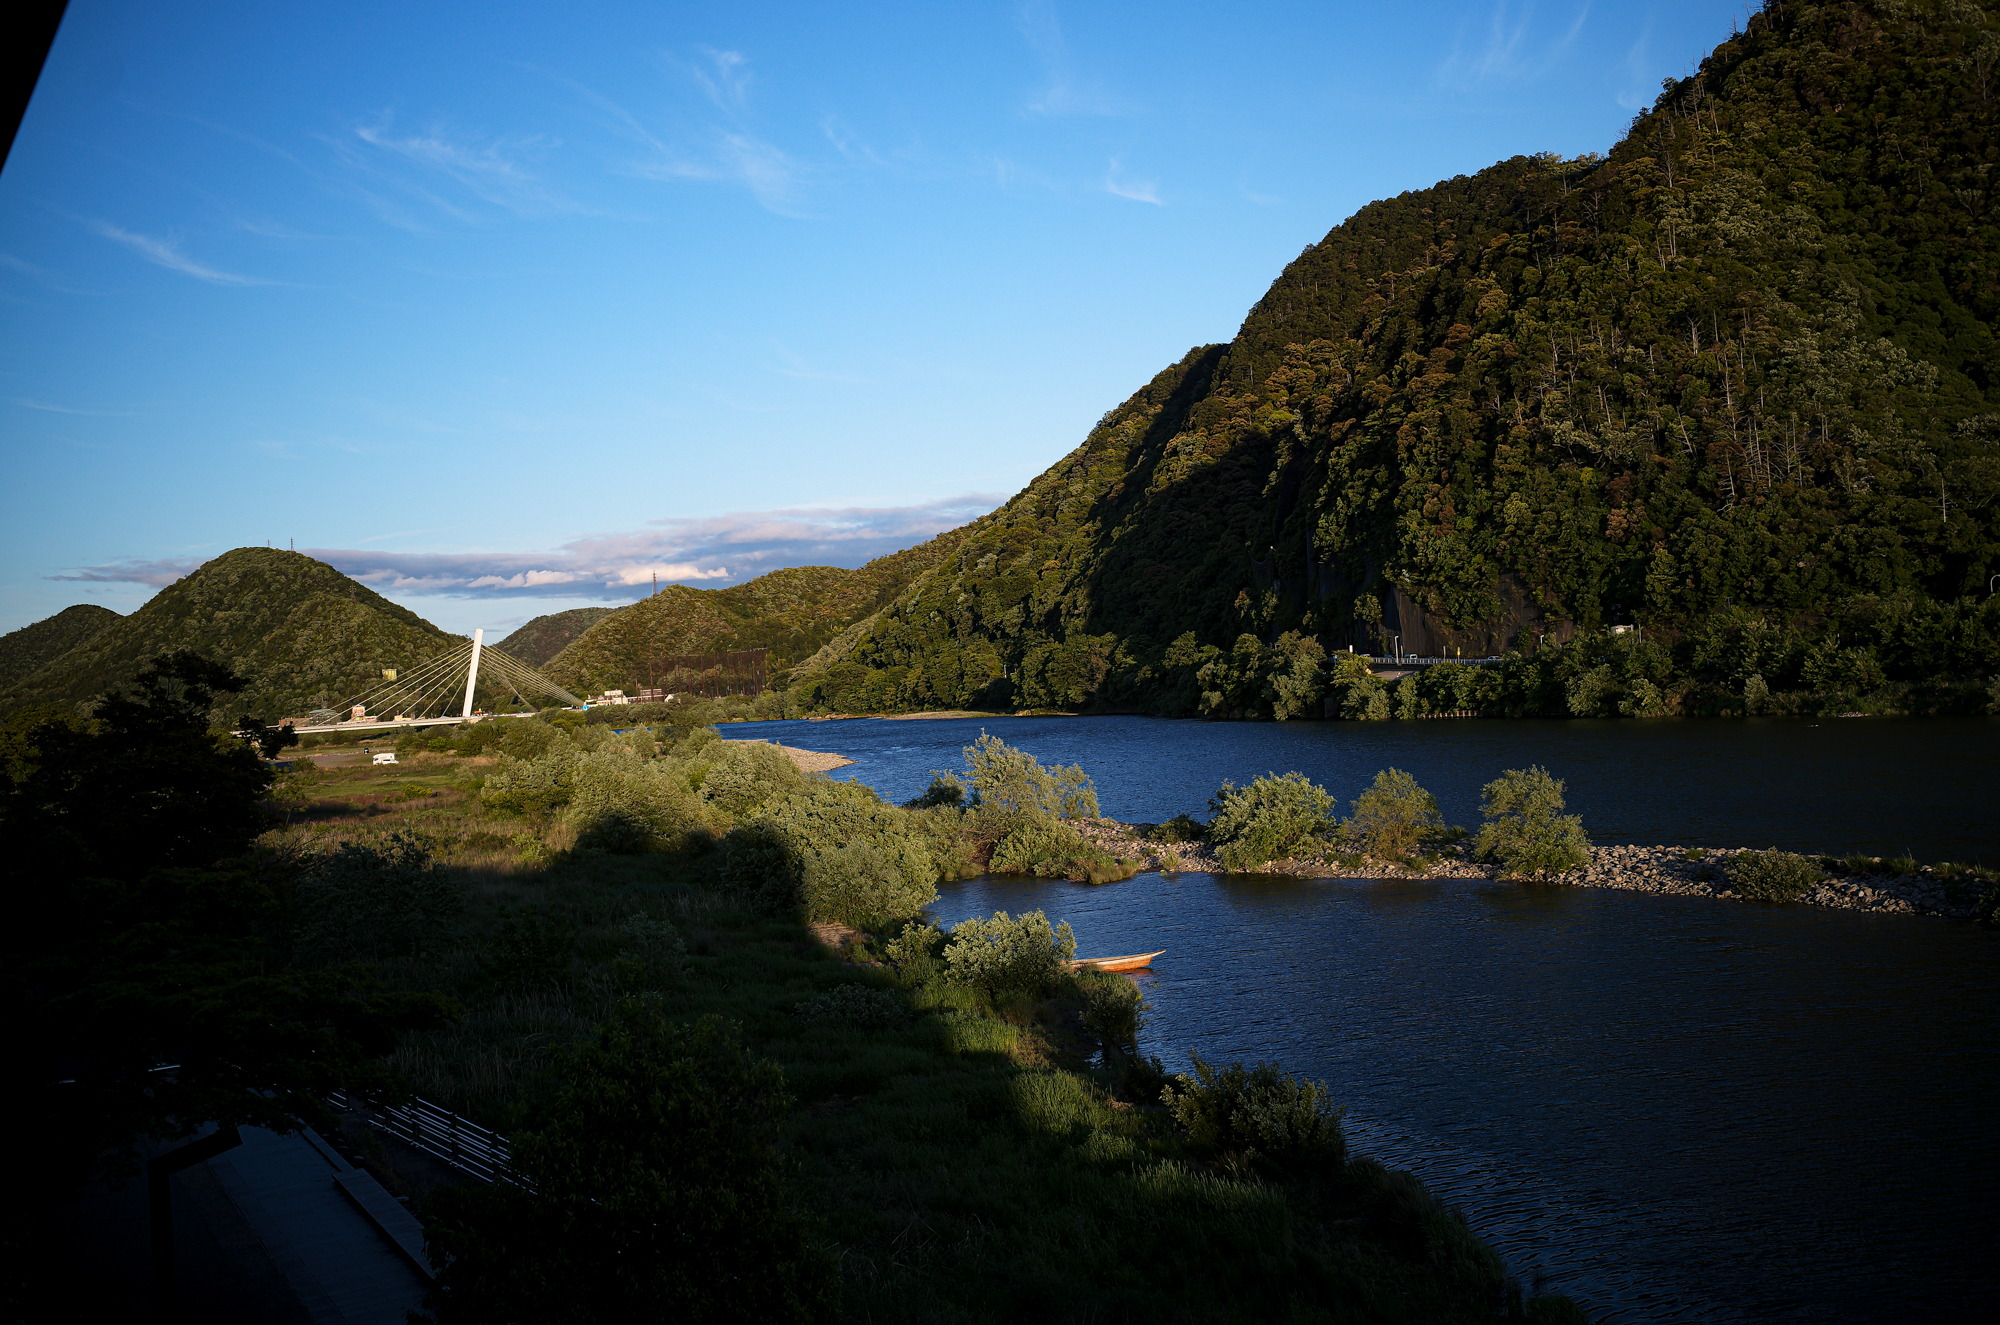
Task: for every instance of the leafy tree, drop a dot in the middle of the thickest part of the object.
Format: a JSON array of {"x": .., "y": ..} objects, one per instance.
[
  {"x": 1526, "y": 830},
  {"x": 1268, "y": 820},
  {"x": 1011, "y": 786},
  {"x": 1394, "y": 814},
  {"x": 1261, "y": 1116},
  {"x": 653, "y": 1190},
  {"x": 1006, "y": 953}
]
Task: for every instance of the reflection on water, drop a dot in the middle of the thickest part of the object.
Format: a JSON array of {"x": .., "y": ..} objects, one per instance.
[
  {"x": 1673, "y": 1108},
  {"x": 1880, "y": 786}
]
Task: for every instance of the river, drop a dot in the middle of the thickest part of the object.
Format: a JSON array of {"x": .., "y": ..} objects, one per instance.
[{"x": 1671, "y": 1108}]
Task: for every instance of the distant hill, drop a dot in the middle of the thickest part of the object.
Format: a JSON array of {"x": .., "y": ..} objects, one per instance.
[
  {"x": 301, "y": 632},
  {"x": 23, "y": 651},
  {"x": 1736, "y": 380},
  {"x": 546, "y": 636},
  {"x": 790, "y": 612}
]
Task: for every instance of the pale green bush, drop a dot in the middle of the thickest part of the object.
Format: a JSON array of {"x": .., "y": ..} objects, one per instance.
[
  {"x": 651, "y": 955},
  {"x": 1268, "y": 820},
  {"x": 1007, "y": 954},
  {"x": 1394, "y": 814},
  {"x": 1051, "y": 849},
  {"x": 1260, "y": 1116},
  {"x": 1011, "y": 786},
  {"x": 376, "y": 901},
  {"x": 1526, "y": 831},
  {"x": 741, "y": 775},
  {"x": 537, "y": 787},
  {"x": 835, "y": 852},
  {"x": 621, "y": 802},
  {"x": 1773, "y": 876}
]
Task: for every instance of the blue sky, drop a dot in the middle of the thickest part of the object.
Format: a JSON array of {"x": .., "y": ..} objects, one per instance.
[{"x": 505, "y": 308}]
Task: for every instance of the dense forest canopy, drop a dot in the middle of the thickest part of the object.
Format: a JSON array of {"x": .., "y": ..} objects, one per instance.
[{"x": 1734, "y": 380}]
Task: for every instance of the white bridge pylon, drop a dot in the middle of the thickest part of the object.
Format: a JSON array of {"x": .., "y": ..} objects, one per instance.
[{"x": 425, "y": 695}]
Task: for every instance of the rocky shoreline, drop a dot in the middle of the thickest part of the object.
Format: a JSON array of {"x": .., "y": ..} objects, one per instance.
[{"x": 1656, "y": 869}]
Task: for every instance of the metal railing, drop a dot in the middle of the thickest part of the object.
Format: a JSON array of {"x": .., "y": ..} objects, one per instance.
[{"x": 441, "y": 1133}]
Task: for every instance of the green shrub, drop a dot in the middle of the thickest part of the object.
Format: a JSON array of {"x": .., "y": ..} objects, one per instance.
[
  {"x": 856, "y": 1005},
  {"x": 1526, "y": 830},
  {"x": 1046, "y": 848},
  {"x": 1268, "y": 820},
  {"x": 655, "y": 1191},
  {"x": 624, "y": 803},
  {"x": 916, "y": 954},
  {"x": 1900, "y": 865},
  {"x": 1113, "y": 1008},
  {"x": 1987, "y": 910},
  {"x": 741, "y": 775},
  {"x": 538, "y": 786},
  {"x": 1772, "y": 876},
  {"x": 1180, "y": 828},
  {"x": 1259, "y": 1116},
  {"x": 1024, "y": 955},
  {"x": 1051, "y": 849},
  {"x": 1011, "y": 786},
  {"x": 945, "y": 790},
  {"x": 652, "y": 954},
  {"x": 376, "y": 901},
  {"x": 835, "y": 852},
  {"x": 1394, "y": 815},
  {"x": 532, "y": 951}
]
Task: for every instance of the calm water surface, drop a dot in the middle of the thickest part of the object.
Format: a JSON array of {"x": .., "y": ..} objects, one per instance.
[{"x": 1674, "y": 1109}]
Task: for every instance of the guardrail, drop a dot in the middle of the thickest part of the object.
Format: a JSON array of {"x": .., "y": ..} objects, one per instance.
[
  {"x": 439, "y": 1132},
  {"x": 1413, "y": 660}
]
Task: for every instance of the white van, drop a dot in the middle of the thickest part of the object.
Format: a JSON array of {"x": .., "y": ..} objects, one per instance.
[{"x": 386, "y": 757}]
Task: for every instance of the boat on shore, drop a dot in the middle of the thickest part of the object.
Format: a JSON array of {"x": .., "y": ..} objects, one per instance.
[{"x": 1135, "y": 962}]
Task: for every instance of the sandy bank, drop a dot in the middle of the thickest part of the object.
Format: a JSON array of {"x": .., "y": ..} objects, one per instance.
[{"x": 807, "y": 761}]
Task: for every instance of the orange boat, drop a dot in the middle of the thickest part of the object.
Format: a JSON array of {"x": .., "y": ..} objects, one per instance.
[{"x": 1136, "y": 962}]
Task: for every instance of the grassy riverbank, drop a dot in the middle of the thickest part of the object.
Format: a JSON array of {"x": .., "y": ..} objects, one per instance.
[{"x": 958, "y": 1154}]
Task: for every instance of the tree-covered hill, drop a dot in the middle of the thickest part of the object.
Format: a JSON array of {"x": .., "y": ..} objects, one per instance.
[
  {"x": 544, "y": 637},
  {"x": 302, "y": 633},
  {"x": 1736, "y": 380},
  {"x": 790, "y": 612},
  {"x": 24, "y": 650}
]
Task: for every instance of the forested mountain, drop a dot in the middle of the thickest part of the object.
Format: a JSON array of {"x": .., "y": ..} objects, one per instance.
[
  {"x": 1734, "y": 380},
  {"x": 546, "y": 636},
  {"x": 790, "y": 612},
  {"x": 302, "y": 633},
  {"x": 31, "y": 647}
]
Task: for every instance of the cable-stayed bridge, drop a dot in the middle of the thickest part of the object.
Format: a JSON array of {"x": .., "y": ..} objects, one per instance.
[{"x": 441, "y": 691}]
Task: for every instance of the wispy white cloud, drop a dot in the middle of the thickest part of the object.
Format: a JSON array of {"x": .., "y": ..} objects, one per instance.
[
  {"x": 167, "y": 253},
  {"x": 710, "y": 550},
  {"x": 1138, "y": 190},
  {"x": 65, "y": 409},
  {"x": 1638, "y": 90},
  {"x": 726, "y": 80},
  {"x": 497, "y": 172},
  {"x": 1063, "y": 90},
  {"x": 1509, "y": 49}
]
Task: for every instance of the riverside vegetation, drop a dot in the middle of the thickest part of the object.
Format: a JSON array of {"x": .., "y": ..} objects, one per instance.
[{"x": 743, "y": 1077}]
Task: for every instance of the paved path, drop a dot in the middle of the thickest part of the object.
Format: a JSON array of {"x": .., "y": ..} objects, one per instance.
[{"x": 346, "y": 1247}]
